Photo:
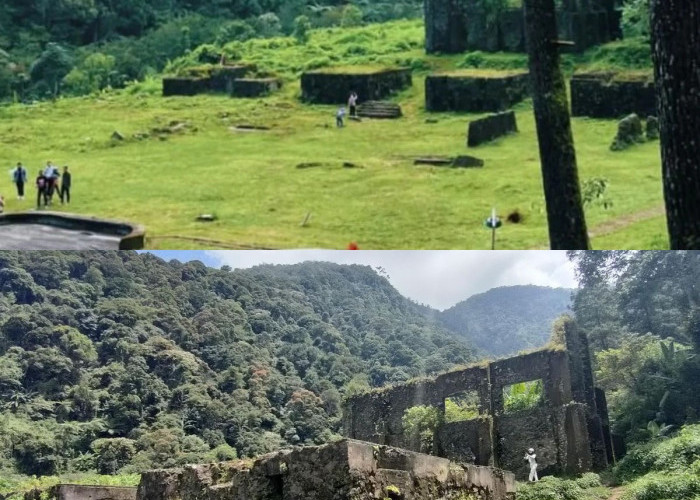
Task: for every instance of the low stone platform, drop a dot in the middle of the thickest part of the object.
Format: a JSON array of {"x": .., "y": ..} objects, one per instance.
[
  {"x": 60, "y": 231},
  {"x": 475, "y": 91},
  {"x": 255, "y": 87},
  {"x": 83, "y": 492},
  {"x": 379, "y": 109},
  {"x": 611, "y": 95},
  {"x": 345, "y": 470},
  {"x": 333, "y": 86}
]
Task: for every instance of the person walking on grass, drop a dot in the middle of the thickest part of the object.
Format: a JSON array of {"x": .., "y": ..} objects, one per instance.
[
  {"x": 41, "y": 189},
  {"x": 532, "y": 460},
  {"x": 339, "y": 116},
  {"x": 65, "y": 186},
  {"x": 19, "y": 177}
]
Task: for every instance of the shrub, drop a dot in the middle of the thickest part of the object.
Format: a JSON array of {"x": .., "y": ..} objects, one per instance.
[
  {"x": 586, "y": 487},
  {"x": 661, "y": 486}
]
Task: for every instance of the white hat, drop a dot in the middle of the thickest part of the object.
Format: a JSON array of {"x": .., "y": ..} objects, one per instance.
[{"x": 531, "y": 451}]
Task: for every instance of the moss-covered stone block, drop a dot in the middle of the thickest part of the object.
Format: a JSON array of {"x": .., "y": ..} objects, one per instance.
[
  {"x": 491, "y": 127},
  {"x": 187, "y": 86},
  {"x": 334, "y": 85},
  {"x": 255, "y": 87},
  {"x": 611, "y": 95},
  {"x": 475, "y": 91}
]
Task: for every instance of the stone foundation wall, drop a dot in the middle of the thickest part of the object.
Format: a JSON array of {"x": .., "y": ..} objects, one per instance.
[
  {"x": 346, "y": 470},
  {"x": 335, "y": 88},
  {"x": 462, "y": 92},
  {"x": 251, "y": 87},
  {"x": 606, "y": 95},
  {"x": 84, "y": 492},
  {"x": 566, "y": 428},
  {"x": 454, "y": 26},
  {"x": 490, "y": 128},
  {"x": 184, "y": 86}
]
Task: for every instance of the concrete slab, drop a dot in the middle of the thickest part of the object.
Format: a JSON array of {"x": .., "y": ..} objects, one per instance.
[{"x": 39, "y": 237}]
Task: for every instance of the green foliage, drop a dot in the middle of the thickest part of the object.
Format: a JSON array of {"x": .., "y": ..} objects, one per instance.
[
  {"x": 421, "y": 423},
  {"x": 593, "y": 192},
  {"x": 51, "y": 67},
  {"x": 669, "y": 456},
  {"x": 462, "y": 406},
  {"x": 302, "y": 25},
  {"x": 153, "y": 364},
  {"x": 522, "y": 396},
  {"x": 635, "y": 18},
  {"x": 587, "y": 487},
  {"x": 658, "y": 486}
]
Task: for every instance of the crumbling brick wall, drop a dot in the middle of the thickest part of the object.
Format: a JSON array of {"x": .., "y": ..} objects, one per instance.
[{"x": 566, "y": 429}]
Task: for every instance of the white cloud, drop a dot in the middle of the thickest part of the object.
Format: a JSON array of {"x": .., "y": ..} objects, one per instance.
[{"x": 437, "y": 278}]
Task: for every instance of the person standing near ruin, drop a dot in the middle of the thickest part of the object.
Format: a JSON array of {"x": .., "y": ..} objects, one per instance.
[
  {"x": 65, "y": 186},
  {"x": 19, "y": 177},
  {"x": 352, "y": 104},
  {"x": 532, "y": 460}
]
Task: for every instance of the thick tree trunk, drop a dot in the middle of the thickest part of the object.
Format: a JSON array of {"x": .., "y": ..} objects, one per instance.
[
  {"x": 675, "y": 28},
  {"x": 567, "y": 223}
]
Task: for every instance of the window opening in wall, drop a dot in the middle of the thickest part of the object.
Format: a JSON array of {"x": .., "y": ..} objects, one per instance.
[
  {"x": 461, "y": 406},
  {"x": 523, "y": 396}
]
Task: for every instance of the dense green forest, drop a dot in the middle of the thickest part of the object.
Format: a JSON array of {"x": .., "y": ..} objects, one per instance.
[
  {"x": 82, "y": 46},
  {"x": 641, "y": 311},
  {"x": 506, "y": 320},
  {"x": 121, "y": 362}
]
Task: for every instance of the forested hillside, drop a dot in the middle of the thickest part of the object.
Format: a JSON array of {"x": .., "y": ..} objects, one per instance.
[
  {"x": 48, "y": 47},
  {"x": 506, "y": 320},
  {"x": 121, "y": 362}
]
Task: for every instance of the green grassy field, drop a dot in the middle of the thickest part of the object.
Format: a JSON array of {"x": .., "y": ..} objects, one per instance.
[{"x": 251, "y": 182}]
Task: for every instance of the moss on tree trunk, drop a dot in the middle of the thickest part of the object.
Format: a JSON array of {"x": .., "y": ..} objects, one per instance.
[
  {"x": 675, "y": 26},
  {"x": 567, "y": 224}
]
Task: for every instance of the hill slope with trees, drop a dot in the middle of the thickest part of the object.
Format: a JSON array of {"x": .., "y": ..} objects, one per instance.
[
  {"x": 506, "y": 320},
  {"x": 120, "y": 362}
]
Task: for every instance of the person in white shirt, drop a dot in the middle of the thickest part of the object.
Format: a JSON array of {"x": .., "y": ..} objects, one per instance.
[
  {"x": 532, "y": 460},
  {"x": 352, "y": 104}
]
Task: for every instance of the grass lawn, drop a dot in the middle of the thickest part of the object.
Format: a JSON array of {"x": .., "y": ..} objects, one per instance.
[{"x": 251, "y": 182}]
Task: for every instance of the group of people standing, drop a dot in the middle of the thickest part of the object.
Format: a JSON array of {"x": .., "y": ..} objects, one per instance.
[{"x": 49, "y": 181}]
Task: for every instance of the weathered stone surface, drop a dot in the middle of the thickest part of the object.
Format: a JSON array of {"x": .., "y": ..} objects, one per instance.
[
  {"x": 466, "y": 161},
  {"x": 629, "y": 132},
  {"x": 379, "y": 109},
  {"x": 652, "y": 130},
  {"x": 475, "y": 92},
  {"x": 334, "y": 88},
  {"x": 455, "y": 26},
  {"x": 607, "y": 95},
  {"x": 180, "y": 86},
  {"x": 490, "y": 128},
  {"x": 346, "y": 470},
  {"x": 566, "y": 429},
  {"x": 255, "y": 87},
  {"x": 222, "y": 77}
]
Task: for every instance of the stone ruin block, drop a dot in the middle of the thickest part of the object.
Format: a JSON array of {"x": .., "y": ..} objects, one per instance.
[
  {"x": 184, "y": 86},
  {"x": 255, "y": 87},
  {"x": 445, "y": 26},
  {"x": 345, "y": 470},
  {"x": 475, "y": 91},
  {"x": 468, "y": 441},
  {"x": 335, "y": 86},
  {"x": 490, "y": 128},
  {"x": 610, "y": 95},
  {"x": 222, "y": 77}
]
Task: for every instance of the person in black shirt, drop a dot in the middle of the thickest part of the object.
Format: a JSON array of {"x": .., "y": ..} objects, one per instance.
[
  {"x": 65, "y": 185},
  {"x": 41, "y": 189}
]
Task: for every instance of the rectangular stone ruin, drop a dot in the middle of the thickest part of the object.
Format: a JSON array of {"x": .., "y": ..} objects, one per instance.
[
  {"x": 491, "y": 127},
  {"x": 475, "y": 91},
  {"x": 83, "y": 492},
  {"x": 255, "y": 87},
  {"x": 200, "y": 80},
  {"x": 333, "y": 86},
  {"x": 184, "y": 86},
  {"x": 612, "y": 95},
  {"x": 456, "y": 26},
  {"x": 344, "y": 470},
  {"x": 566, "y": 427}
]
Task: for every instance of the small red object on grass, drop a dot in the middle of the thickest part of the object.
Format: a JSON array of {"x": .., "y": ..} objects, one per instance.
[{"x": 353, "y": 246}]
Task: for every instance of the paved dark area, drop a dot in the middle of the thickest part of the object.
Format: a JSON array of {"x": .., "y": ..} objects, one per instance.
[{"x": 43, "y": 237}]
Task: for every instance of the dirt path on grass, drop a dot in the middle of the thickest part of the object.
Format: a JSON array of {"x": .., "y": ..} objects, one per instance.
[
  {"x": 615, "y": 225},
  {"x": 616, "y": 493}
]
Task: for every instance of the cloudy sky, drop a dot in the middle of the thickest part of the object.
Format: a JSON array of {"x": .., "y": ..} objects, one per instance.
[{"x": 437, "y": 278}]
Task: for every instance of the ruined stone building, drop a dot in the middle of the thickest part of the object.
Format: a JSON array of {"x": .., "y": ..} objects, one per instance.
[
  {"x": 454, "y": 26},
  {"x": 568, "y": 427}
]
